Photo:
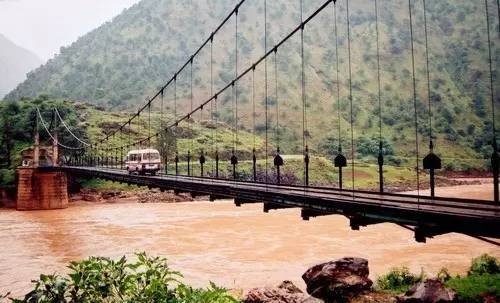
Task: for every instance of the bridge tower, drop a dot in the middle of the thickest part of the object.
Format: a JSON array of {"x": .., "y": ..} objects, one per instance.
[{"x": 39, "y": 186}]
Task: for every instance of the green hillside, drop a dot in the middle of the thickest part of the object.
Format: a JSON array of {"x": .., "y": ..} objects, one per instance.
[
  {"x": 127, "y": 59},
  {"x": 91, "y": 124}
]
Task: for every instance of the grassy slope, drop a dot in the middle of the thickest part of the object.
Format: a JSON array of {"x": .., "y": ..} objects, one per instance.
[{"x": 322, "y": 170}]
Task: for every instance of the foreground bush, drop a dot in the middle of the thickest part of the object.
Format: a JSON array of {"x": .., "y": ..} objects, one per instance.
[
  {"x": 476, "y": 287},
  {"x": 97, "y": 280},
  {"x": 484, "y": 264},
  {"x": 398, "y": 280},
  {"x": 482, "y": 280}
]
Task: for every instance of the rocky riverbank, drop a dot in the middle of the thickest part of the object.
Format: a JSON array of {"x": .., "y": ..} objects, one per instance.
[
  {"x": 347, "y": 280},
  {"x": 140, "y": 196}
]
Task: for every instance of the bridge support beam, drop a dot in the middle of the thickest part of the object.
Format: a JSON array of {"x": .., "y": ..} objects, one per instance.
[
  {"x": 197, "y": 194},
  {"x": 272, "y": 206},
  {"x": 424, "y": 232},
  {"x": 306, "y": 214},
  {"x": 357, "y": 221},
  {"x": 41, "y": 190},
  {"x": 212, "y": 198},
  {"x": 239, "y": 201}
]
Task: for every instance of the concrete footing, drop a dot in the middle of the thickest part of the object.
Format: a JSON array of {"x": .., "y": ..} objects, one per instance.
[{"x": 41, "y": 190}]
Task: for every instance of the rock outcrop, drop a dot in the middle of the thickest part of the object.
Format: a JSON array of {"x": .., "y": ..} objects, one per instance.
[
  {"x": 286, "y": 292},
  {"x": 337, "y": 280},
  {"x": 429, "y": 291}
]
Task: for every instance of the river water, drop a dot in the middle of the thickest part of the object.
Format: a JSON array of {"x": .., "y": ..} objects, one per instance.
[{"x": 235, "y": 247}]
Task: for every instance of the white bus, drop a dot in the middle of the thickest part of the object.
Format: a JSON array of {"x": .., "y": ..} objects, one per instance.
[{"x": 143, "y": 161}]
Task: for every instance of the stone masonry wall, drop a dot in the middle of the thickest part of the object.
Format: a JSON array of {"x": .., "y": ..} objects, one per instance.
[{"x": 39, "y": 190}]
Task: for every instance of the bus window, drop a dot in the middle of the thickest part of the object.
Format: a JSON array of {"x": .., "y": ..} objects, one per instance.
[
  {"x": 133, "y": 157},
  {"x": 150, "y": 156}
]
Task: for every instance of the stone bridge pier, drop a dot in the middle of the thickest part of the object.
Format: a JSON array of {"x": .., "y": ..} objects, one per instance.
[{"x": 39, "y": 187}]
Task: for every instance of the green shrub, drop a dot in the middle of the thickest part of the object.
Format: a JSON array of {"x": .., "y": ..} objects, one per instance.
[
  {"x": 484, "y": 264},
  {"x": 7, "y": 176},
  {"x": 213, "y": 293},
  {"x": 103, "y": 185},
  {"x": 102, "y": 280},
  {"x": 483, "y": 279},
  {"x": 398, "y": 280},
  {"x": 471, "y": 289},
  {"x": 443, "y": 275}
]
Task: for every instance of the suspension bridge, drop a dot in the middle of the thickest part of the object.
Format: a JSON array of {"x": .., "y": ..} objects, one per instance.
[{"x": 203, "y": 171}]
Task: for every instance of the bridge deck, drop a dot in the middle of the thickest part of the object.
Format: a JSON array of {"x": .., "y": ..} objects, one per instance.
[{"x": 429, "y": 216}]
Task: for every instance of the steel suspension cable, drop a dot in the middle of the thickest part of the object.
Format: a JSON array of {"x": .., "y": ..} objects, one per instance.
[
  {"x": 51, "y": 136},
  {"x": 414, "y": 97},
  {"x": 266, "y": 92},
  {"x": 490, "y": 64},
  {"x": 431, "y": 145},
  {"x": 304, "y": 114},
  {"x": 140, "y": 129},
  {"x": 277, "y": 131},
  {"x": 129, "y": 134},
  {"x": 431, "y": 161},
  {"x": 149, "y": 124},
  {"x": 191, "y": 119},
  {"x": 340, "y": 160},
  {"x": 337, "y": 72},
  {"x": 234, "y": 158},
  {"x": 216, "y": 137},
  {"x": 254, "y": 156},
  {"x": 211, "y": 94},
  {"x": 69, "y": 130},
  {"x": 495, "y": 158},
  {"x": 164, "y": 142},
  {"x": 236, "y": 82},
  {"x": 202, "y": 151},
  {"x": 161, "y": 109},
  {"x": 498, "y": 12},
  {"x": 350, "y": 91},
  {"x": 174, "y": 133},
  {"x": 278, "y": 160},
  {"x": 380, "y": 151}
]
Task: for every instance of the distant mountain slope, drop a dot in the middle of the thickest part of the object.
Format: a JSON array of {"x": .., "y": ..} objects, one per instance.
[
  {"x": 123, "y": 60},
  {"x": 15, "y": 63},
  {"x": 127, "y": 59}
]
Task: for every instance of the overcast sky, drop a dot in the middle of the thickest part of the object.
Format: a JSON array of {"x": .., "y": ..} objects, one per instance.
[{"x": 43, "y": 26}]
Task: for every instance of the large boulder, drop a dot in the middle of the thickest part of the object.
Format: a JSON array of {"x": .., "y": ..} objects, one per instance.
[
  {"x": 286, "y": 292},
  {"x": 337, "y": 280},
  {"x": 429, "y": 291}
]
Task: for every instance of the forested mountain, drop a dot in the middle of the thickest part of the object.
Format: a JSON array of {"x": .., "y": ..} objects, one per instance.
[
  {"x": 15, "y": 63},
  {"x": 127, "y": 59}
]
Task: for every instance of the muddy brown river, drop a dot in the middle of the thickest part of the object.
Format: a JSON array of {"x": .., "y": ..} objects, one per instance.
[{"x": 235, "y": 247}]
